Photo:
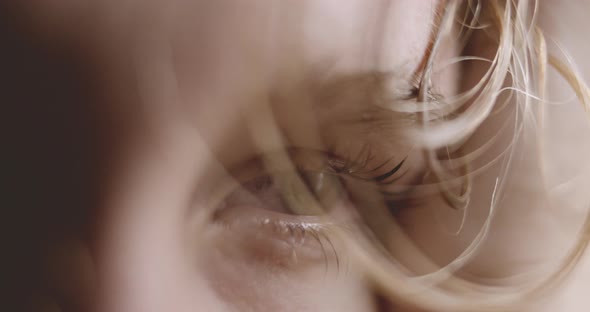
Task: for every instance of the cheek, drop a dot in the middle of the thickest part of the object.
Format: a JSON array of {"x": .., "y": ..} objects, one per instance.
[
  {"x": 248, "y": 276},
  {"x": 147, "y": 259}
]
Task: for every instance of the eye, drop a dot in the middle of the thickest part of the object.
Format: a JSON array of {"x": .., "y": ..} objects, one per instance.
[
  {"x": 265, "y": 193},
  {"x": 271, "y": 220}
]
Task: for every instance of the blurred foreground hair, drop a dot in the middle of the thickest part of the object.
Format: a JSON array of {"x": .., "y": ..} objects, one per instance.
[{"x": 515, "y": 77}]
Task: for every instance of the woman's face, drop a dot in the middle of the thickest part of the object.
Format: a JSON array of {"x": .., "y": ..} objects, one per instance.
[
  {"x": 196, "y": 97},
  {"x": 203, "y": 69}
]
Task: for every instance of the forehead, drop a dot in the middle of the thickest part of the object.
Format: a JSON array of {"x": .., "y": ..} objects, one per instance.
[
  {"x": 227, "y": 55},
  {"x": 258, "y": 39}
]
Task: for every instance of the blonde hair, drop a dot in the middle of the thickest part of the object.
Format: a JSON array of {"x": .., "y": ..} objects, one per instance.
[
  {"x": 519, "y": 66},
  {"x": 521, "y": 59}
]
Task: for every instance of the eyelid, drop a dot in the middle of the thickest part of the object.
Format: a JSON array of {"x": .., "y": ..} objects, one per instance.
[
  {"x": 329, "y": 163},
  {"x": 361, "y": 167},
  {"x": 255, "y": 168},
  {"x": 386, "y": 175},
  {"x": 265, "y": 234},
  {"x": 278, "y": 236}
]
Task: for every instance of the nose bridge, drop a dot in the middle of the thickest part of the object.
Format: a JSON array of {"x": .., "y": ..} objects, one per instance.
[
  {"x": 145, "y": 265},
  {"x": 144, "y": 259},
  {"x": 133, "y": 263}
]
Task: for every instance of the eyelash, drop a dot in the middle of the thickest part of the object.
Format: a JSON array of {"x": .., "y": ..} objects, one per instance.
[
  {"x": 361, "y": 168},
  {"x": 336, "y": 167}
]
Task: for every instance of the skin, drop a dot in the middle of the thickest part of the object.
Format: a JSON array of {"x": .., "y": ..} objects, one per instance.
[
  {"x": 145, "y": 243},
  {"x": 212, "y": 276}
]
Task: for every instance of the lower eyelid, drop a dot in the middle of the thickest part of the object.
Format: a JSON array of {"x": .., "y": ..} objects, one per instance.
[{"x": 284, "y": 241}]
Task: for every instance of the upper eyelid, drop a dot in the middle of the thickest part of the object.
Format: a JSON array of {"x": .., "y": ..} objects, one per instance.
[
  {"x": 388, "y": 174},
  {"x": 338, "y": 164},
  {"x": 335, "y": 163},
  {"x": 363, "y": 174}
]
